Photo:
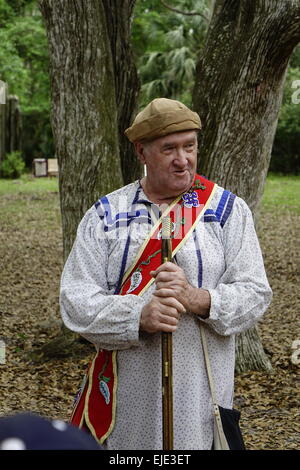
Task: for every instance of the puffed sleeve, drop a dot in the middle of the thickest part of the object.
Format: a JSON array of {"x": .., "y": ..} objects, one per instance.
[
  {"x": 108, "y": 321},
  {"x": 242, "y": 294}
]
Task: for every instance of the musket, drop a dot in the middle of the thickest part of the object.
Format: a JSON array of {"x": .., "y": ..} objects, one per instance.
[{"x": 167, "y": 369}]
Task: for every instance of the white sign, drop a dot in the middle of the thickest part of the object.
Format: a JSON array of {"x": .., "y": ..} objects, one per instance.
[{"x": 2, "y": 92}]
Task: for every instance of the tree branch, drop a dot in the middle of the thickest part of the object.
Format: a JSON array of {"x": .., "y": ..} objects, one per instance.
[{"x": 187, "y": 13}]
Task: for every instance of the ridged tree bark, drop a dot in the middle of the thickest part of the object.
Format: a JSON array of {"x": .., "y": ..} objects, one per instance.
[
  {"x": 94, "y": 86},
  {"x": 238, "y": 92},
  {"x": 127, "y": 86}
]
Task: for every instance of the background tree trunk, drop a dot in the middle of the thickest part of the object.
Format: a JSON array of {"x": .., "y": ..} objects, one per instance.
[
  {"x": 238, "y": 92},
  {"x": 14, "y": 125},
  {"x": 10, "y": 124},
  {"x": 94, "y": 90},
  {"x": 84, "y": 110},
  {"x": 127, "y": 86}
]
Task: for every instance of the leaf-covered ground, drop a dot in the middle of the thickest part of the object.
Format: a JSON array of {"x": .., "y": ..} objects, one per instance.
[{"x": 31, "y": 264}]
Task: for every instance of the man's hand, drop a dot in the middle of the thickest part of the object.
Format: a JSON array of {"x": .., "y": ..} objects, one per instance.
[
  {"x": 161, "y": 314},
  {"x": 171, "y": 281}
]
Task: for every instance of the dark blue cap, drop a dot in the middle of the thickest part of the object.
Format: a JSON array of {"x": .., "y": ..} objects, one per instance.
[{"x": 32, "y": 432}]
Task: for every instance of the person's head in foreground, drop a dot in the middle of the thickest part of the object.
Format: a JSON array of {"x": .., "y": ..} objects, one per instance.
[{"x": 26, "y": 431}]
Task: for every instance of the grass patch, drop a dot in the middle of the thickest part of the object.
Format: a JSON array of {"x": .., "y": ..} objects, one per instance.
[
  {"x": 28, "y": 200},
  {"x": 28, "y": 184},
  {"x": 282, "y": 193}
]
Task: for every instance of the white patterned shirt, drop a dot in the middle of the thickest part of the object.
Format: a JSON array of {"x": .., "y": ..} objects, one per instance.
[{"x": 222, "y": 255}]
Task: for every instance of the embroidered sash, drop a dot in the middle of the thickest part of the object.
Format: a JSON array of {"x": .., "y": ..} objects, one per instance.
[{"x": 95, "y": 407}]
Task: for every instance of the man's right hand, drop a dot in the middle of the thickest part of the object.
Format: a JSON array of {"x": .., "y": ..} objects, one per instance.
[{"x": 161, "y": 314}]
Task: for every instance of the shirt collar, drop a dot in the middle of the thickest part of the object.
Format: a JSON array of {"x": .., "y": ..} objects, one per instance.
[{"x": 140, "y": 197}]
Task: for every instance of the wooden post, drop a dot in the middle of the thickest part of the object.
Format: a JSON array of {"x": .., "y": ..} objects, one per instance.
[
  {"x": 14, "y": 124},
  {"x": 10, "y": 122},
  {"x": 3, "y": 112}
]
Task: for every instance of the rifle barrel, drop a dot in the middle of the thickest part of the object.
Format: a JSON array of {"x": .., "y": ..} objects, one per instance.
[{"x": 167, "y": 366}]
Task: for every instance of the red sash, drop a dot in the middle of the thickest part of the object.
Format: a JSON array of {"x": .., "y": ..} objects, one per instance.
[{"x": 95, "y": 407}]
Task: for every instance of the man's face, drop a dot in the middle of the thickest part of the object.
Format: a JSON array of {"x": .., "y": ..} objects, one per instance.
[{"x": 171, "y": 162}]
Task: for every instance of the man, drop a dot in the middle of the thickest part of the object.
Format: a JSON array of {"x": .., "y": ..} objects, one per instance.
[{"x": 116, "y": 293}]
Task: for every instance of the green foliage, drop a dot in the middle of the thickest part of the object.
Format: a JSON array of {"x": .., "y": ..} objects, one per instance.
[
  {"x": 166, "y": 45},
  {"x": 12, "y": 166},
  {"x": 23, "y": 55},
  {"x": 286, "y": 150},
  {"x": 16, "y": 7},
  {"x": 24, "y": 66},
  {"x": 6, "y": 13},
  {"x": 281, "y": 193},
  {"x": 27, "y": 184}
]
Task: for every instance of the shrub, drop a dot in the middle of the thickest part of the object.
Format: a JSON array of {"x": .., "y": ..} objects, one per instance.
[{"x": 12, "y": 165}]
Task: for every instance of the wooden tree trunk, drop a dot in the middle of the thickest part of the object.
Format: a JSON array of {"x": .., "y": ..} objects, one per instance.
[
  {"x": 84, "y": 110},
  {"x": 2, "y": 131},
  {"x": 94, "y": 90},
  {"x": 14, "y": 125},
  {"x": 118, "y": 15},
  {"x": 10, "y": 122},
  {"x": 238, "y": 93}
]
